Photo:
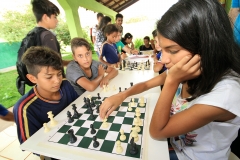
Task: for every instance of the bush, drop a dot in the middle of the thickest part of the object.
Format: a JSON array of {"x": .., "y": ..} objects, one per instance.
[{"x": 138, "y": 42}]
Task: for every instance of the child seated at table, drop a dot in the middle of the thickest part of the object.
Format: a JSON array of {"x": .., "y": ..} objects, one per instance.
[
  {"x": 199, "y": 104},
  {"x": 51, "y": 92},
  {"x": 146, "y": 45},
  {"x": 121, "y": 46},
  {"x": 83, "y": 72},
  {"x": 109, "y": 53}
]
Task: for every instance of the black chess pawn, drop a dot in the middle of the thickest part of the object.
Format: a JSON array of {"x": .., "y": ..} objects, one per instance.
[
  {"x": 97, "y": 108},
  {"x": 93, "y": 103},
  {"x": 76, "y": 115},
  {"x": 131, "y": 83},
  {"x": 72, "y": 137},
  {"x": 136, "y": 64},
  {"x": 92, "y": 117},
  {"x": 125, "y": 89},
  {"x": 89, "y": 109},
  {"x": 84, "y": 99},
  {"x": 70, "y": 118},
  {"x": 95, "y": 143},
  {"x": 120, "y": 67},
  {"x": 93, "y": 131},
  {"x": 120, "y": 89},
  {"x": 124, "y": 64},
  {"x": 133, "y": 147},
  {"x": 98, "y": 96}
]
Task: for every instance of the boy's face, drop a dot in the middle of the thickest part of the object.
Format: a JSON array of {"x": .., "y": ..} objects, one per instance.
[
  {"x": 112, "y": 37},
  {"x": 48, "y": 80},
  {"x": 119, "y": 21},
  {"x": 83, "y": 57},
  {"x": 52, "y": 21},
  {"x": 119, "y": 35},
  {"x": 146, "y": 42},
  {"x": 156, "y": 43}
]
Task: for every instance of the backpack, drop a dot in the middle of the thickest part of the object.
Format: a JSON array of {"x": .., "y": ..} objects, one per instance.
[{"x": 33, "y": 38}]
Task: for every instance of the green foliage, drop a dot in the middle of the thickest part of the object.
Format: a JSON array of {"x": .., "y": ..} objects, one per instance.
[
  {"x": 138, "y": 42},
  {"x": 15, "y": 25},
  {"x": 63, "y": 34}
]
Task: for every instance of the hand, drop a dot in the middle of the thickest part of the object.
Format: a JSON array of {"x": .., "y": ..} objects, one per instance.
[
  {"x": 135, "y": 51},
  {"x": 109, "y": 105},
  {"x": 104, "y": 81},
  {"x": 186, "y": 69},
  {"x": 101, "y": 70}
]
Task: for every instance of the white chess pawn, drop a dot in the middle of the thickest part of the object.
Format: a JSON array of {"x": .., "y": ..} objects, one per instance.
[
  {"x": 141, "y": 102},
  {"x": 122, "y": 137},
  {"x": 108, "y": 88},
  {"x": 119, "y": 148},
  {"x": 139, "y": 120},
  {"x": 137, "y": 112},
  {"x": 46, "y": 129},
  {"x": 52, "y": 120},
  {"x": 104, "y": 88},
  {"x": 129, "y": 107},
  {"x": 105, "y": 124},
  {"x": 133, "y": 102},
  {"x": 114, "y": 88},
  {"x": 134, "y": 134},
  {"x": 138, "y": 129}
]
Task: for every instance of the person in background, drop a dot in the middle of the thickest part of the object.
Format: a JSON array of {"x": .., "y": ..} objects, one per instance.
[
  {"x": 5, "y": 114},
  {"x": 99, "y": 34},
  {"x": 146, "y": 45},
  {"x": 119, "y": 20},
  {"x": 235, "y": 18},
  {"x": 199, "y": 104},
  {"x": 94, "y": 28},
  {"x": 127, "y": 40}
]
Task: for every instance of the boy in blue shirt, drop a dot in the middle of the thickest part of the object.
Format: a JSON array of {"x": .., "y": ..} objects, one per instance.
[{"x": 51, "y": 92}]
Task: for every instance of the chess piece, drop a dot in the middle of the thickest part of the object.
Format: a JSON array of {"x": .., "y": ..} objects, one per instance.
[
  {"x": 93, "y": 131},
  {"x": 95, "y": 143},
  {"x": 97, "y": 108},
  {"x": 105, "y": 124},
  {"x": 131, "y": 83},
  {"x": 92, "y": 103},
  {"x": 134, "y": 134},
  {"x": 133, "y": 102},
  {"x": 92, "y": 117},
  {"x": 141, "y": 102},
  {"x": 72, "y": 137},
  {"x": 119, "y": 148},
  {"x": 120, "y": 67},
  {"x": 114, "y": 88},
  {"x": 52, "y": 120},
  {"x": 133, "y": 147},
  {"x": 120, "y": 89},
  {"x": 84, "y": 99},
  {"x": 104, "y": 88},
  {"x": 98, "y": 96},
  {"x": 122, "y": 137},
  {"x": 70, "y": 118},
  {"x": 125, "y": 89},
  {"x": 46, "y": 129},
  {"x": 129, "y": 107},
  {"x": 76, "y": 115}
]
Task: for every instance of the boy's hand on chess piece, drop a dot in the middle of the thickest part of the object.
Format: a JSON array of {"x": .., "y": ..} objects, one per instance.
[
  {"x": 101, "y": 70},
  {"x": 135, "y": 51},
  {"x": 186, "y": 69},
  {"x": 109, "y": 105},
  {"x": 105, "y": 81}
]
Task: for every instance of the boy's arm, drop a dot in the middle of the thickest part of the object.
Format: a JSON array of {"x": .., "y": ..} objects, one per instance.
[
  {"x": 111, "y": 103},
  {"x": 112, "y": 72}
]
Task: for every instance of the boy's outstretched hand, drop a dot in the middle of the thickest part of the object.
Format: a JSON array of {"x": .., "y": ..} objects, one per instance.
[
  {"x": 109, "y": 105},
  {"x": 105, "y": 81}
]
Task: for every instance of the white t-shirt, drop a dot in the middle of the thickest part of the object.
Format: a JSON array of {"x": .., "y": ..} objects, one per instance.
[{"x": 213, "y": 140}]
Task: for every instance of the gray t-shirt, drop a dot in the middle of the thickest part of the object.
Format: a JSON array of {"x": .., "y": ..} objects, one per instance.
[{"x": 74, "y": 72}]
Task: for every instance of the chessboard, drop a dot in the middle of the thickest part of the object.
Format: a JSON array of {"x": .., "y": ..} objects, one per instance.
[
  {"x": 87, "y": 128},
  {"x": 134, "y": 65}
]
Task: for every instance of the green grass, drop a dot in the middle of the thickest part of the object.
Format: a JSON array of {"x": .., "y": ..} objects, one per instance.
[{"x": 9, "y": 94}]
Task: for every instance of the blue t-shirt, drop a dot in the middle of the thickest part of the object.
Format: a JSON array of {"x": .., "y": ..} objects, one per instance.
[
  {"x": 30, "y": 112},
  {"x": 3, "y": 111},
  {"x": 109, "y": 51},
  {"x": 74, "y": 73}
]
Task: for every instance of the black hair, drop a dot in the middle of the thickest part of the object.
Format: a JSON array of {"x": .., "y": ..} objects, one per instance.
[
  {"x": 41, "y": 7},
  {"x": 119, "y": 16},
  {"x": 154, "y": 33},
  {"x": 100, "y": 15},
  {"x": 79, "y": 42},
  {"x": 104, "y": 21},
  {"x": 109, "y": 29},
  {"x": 147, "y": 38},
  {"x": 127, "y": 36},
  {"x": 37, "y": 57},
  {"x": 203, "y": 27}
]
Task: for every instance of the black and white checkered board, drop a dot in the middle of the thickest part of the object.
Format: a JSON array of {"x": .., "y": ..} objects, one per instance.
[
  {"x": 136, "y": 65},
  {"x": 107, "y": 137}
]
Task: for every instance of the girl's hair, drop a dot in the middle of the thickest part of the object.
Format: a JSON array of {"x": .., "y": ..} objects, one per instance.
[
  {"x": 127, "y": 36},
  {"x": 109, "y": 29},
  {"x": 41, "y": 7},
  {"x": 203, "y": 27},
  {"x": 103, "y": 23}
]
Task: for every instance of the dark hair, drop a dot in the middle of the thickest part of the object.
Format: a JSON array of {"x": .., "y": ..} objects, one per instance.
[
  {"x": 109, "y": 29},
  {"x": 41, "y": 7},
  {"x": 37, "y": 57},
  {"x": 100, "y": 15},
  {"x": 154, "y": 33},
  {"x": 203, "y": 27},
  {"x": 104, "y": 21},
  {"x": 127, "y": 36},
  {"x": 79, "y": 42},
  {"x": 147, "y": 38},
  {"x": 119, "y": 16}
]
